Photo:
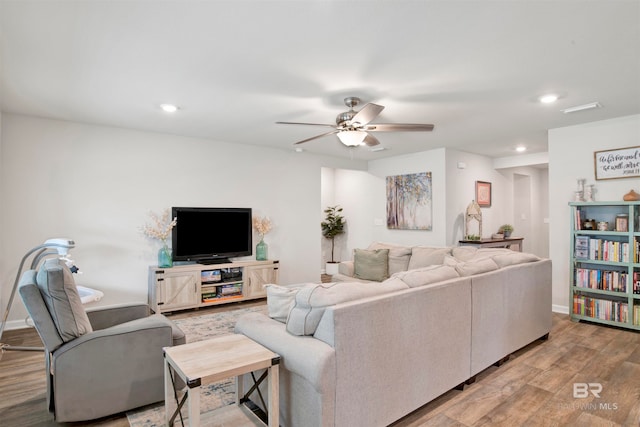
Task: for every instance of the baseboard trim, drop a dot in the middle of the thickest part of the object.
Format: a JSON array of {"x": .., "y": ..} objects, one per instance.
[
  {"x": 562, "y": 309},
  {"x": 17, "y": 324}
]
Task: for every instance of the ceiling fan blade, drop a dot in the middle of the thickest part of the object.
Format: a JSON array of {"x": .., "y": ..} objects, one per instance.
[
  {"x": 398, "y": 127},
  {"x": 306, "y": 124},
  {"x": 367, "y": 113},
  {"x": 371, "y": 140},
  {"x": 316, "y": 137}
]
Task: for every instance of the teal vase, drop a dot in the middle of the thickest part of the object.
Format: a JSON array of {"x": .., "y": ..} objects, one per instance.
[
  {"x": 262, "y": 251},
  {"x": 164, "y": 257}
]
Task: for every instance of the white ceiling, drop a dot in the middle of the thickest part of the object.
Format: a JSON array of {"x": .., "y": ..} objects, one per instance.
[{"x": 472, "y": 68}]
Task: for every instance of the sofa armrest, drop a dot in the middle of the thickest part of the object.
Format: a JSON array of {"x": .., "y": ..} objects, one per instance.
[
  {"x": 106, "y": 317},
  {"x": 346, "y": 268},
  {"x": 305, "y": 356}
]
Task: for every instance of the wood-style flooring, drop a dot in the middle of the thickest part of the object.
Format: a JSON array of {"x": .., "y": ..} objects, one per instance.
[{"x": 534, "y": 387}]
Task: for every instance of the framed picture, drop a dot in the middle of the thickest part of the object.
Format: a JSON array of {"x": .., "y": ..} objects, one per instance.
[
  {"x": 483, "y": 194},
  {"x": 622, "y": 223},
  {"x": 409, "y": 202},
  {"x": 618, "y": 163}
]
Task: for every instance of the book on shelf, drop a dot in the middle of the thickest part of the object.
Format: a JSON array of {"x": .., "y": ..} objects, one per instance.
[
  {"x": 606, "y": 280},
  {"x": 607, "y": 250},
  {"x": 229, "y": 289},
  {"x": 599, "y": 308},
  {"x": 224, "y": 298}
]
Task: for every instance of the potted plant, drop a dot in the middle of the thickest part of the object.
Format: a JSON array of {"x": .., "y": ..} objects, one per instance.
[
  {"x": 506, "y": 229},
  {"x": 332, "y": 226}
]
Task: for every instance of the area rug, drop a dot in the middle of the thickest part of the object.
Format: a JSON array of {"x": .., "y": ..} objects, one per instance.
[{"x": 212, "y": 396}]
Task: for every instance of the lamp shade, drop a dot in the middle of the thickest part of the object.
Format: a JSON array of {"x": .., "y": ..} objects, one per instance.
[{"x": 352, "y": 138}]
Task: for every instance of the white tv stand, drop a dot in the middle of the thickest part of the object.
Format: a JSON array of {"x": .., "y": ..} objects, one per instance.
[{"x": 188, "y": 286}]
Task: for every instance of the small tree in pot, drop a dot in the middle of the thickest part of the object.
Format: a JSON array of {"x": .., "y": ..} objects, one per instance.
[
  {"x": 506, "y": 229},
  {"x": 332, "y": 226}
]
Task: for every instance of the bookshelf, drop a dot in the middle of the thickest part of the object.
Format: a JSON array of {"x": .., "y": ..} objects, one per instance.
[
  {"x": 605, "y": 263},
  {"x": 188, "y": 286}
]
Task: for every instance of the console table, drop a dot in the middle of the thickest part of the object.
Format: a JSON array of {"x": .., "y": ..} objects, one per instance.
[
  {"x": 494, "y": 243},
  {"x": 212, "y": 360}
]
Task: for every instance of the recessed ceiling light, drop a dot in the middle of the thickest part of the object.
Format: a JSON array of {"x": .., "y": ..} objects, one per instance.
[
  {"x": 582, "y": 107},
  {"x": 521, "y": 148},
  {"x": 549, "y": 98},
  {"x": 169, "y": 108},
  {"x": 299, "y": 149}
]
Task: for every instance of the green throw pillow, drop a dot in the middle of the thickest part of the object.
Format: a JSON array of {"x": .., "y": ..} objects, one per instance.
[{"x": 371, "y": 264}]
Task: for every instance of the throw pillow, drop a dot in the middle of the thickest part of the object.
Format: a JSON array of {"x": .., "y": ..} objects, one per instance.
[
  {"x": 371, "y": 264},
  {"x": 399, "y": 256},
  {"x": 60, "y": 294},
  {"x": 280, "y": 299}
]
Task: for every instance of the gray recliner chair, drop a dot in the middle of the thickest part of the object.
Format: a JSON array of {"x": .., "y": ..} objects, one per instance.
[{"x": 100, "y": 362}]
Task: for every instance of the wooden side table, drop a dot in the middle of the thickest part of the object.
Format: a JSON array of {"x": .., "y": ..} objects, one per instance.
[
  {"x": 204, "y": 362},
  {"x": 494, "y": 243}
]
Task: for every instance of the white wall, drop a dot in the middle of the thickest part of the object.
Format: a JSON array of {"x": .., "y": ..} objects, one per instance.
[
  {"x": 354, "y": 194},
  {"x": 363, "y": 197},
  {"x": 571, "y": 151},
  {"x": 96, "y": 185},
  {"x": 463, "y": 170}
]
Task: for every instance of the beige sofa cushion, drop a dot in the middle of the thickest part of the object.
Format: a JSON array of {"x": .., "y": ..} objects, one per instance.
[
  {"x": 469, "y": 268},
  {"x": 427, "y": 275},
  {"x": 399, "y": 256},
  {"x": 470, "y": 253},
  {"x": 512, "y": 258},
  {"x": 424, "y": 256},
  {"x": 503, "y": 257},
  {"x": 312, "y": 301},
  {"x": 371, "y": 264}
]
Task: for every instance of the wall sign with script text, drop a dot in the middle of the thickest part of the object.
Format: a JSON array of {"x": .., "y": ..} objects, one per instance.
[{"x": 618, "y": 163}]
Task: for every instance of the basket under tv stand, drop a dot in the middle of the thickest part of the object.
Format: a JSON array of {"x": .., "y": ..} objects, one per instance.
[{"x": 188, "y": 286}]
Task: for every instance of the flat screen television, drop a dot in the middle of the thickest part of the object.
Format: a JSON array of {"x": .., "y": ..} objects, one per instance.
[{"x": 211, "y": 235}]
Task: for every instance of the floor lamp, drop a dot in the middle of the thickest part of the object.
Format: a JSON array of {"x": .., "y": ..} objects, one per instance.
[{"x": 52, "y": 246}]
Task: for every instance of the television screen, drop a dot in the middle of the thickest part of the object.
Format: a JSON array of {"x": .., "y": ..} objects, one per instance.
[{"x": 211, "y": 234}]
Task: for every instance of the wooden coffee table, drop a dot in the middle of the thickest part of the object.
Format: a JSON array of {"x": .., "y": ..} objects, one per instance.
[{"x": 208, "y": 361}]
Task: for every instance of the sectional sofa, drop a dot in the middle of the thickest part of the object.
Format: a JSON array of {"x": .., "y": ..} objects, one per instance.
[{"x": 367, "y": 353}]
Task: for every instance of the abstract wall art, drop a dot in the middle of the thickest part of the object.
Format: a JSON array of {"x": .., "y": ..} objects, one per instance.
[{"x": 409, "y": 202}]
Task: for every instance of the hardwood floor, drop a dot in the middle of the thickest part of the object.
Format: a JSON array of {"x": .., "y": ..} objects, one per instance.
[{"x": 534, "y": 387}]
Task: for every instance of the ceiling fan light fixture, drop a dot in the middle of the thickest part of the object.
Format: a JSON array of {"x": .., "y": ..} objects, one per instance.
[{"x": 352, "y": 138}]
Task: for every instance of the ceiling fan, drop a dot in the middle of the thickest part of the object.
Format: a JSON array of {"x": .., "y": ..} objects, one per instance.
[{"x": 353, "y": 127}]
